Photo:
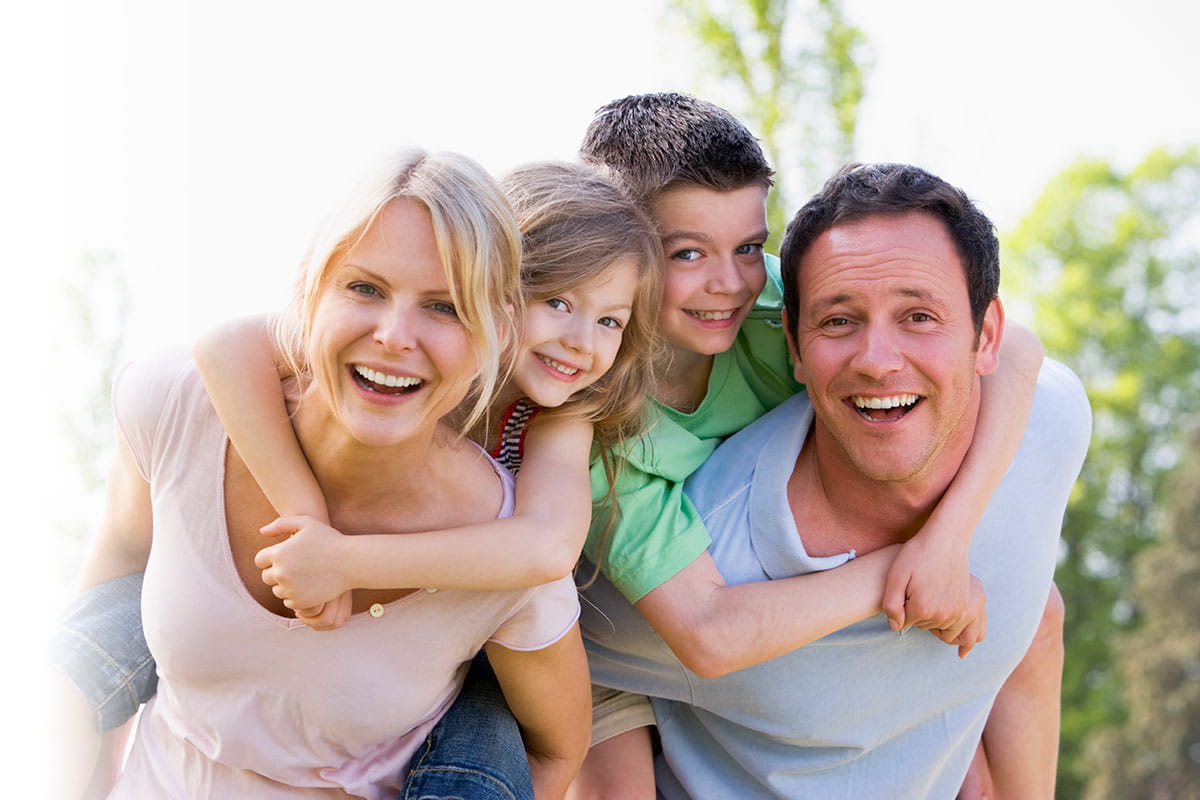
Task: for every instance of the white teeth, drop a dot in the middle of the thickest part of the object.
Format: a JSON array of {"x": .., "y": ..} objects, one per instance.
[
  {"x": 711, "y": 316},
  {"x": 383, "y": 379},
  {"x": 894, "y": 401},
  {"x": 557, "y": 367}
]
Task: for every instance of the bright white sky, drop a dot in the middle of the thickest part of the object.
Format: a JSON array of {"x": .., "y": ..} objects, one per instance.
[{"x": 196, "y": 144}]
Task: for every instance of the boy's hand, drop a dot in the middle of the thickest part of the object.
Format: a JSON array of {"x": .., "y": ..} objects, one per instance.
[
  {"x": 928, "y": 585},
  {"x": 302, "y": 569},
  {"x": 972, "y": 626}
]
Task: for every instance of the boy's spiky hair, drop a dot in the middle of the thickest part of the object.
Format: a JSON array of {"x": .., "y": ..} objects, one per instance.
[{"x": 654, "y": 142}]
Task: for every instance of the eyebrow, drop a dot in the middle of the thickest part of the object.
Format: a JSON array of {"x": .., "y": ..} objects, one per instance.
[{"x": 700, "y": 236}]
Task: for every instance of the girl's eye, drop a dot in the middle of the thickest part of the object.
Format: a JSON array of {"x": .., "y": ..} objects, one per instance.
[
  {"x": 442, "y": 307},
  {"x": 363, "y": 288},
  {"x": 557, "y": 303},
  {"x": 611, "y": 322},
  {"x": 686, "y": 254},
  {"x": 749, "y": 249}
]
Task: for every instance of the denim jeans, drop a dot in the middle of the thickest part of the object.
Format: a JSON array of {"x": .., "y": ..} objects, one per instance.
[
  {"x": 475, "y": 751},
  {"x": 99, "y": 645}
]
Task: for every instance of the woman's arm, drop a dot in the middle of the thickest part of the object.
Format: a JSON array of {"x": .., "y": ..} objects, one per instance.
[
  {"x": 927, "y": 585},
  {"x": 121, "y": 547},
  {"x": 539, "y": 543},
  {"x": 549, "y": 693},
  {"x": 242, "y": 369}
]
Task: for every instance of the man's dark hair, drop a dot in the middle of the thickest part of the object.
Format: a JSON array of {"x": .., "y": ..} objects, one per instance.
[
  {"x": 654, "y": 142},
  {"x": 863, "y": 190}
]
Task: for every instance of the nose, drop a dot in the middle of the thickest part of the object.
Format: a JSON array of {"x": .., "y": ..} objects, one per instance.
[
  {"x": 578, "y": 334},
  {"x": 724, "y": 276},
  {"x": 878, "y": 353},
  {"x": 395, "y": 331}
]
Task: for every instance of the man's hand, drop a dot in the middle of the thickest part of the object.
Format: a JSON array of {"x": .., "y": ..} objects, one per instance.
[
  {"x": 303, "y": 570},
  {"x": 928, "y": 586}
]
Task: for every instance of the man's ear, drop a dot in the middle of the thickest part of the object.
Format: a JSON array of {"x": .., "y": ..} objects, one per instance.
[
  {"x": 987, "y": 353},
  {"x": 793, "y": 352}
]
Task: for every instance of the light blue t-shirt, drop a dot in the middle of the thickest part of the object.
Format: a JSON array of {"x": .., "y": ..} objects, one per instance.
[{"x": 864, "y": 712}]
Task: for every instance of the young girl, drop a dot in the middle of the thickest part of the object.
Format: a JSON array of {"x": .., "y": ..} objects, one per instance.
[{"x": 591, "y": 278}]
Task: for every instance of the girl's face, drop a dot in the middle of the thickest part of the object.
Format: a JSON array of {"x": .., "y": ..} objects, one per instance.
[
  {"x": 572, "y": 339},
  {"x": 386, "y": 347}
]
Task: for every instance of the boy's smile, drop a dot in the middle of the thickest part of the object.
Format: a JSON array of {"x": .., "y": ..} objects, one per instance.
[{"x": 713, "y": 243}]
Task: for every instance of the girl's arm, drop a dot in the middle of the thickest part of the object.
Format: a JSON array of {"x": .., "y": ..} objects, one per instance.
[
  {"x": 242, "y": 369},
  {"x": 927, "y": 585},
  {"x": 539, "y": 543},
  {"x": 549, "y": 693}
]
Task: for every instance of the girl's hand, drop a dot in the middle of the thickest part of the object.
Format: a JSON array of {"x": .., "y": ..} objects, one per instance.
[
  {"x": 928, "y": 585},
  {"x": 303, "y": 568},
  {"x": 329, "y": 616}
]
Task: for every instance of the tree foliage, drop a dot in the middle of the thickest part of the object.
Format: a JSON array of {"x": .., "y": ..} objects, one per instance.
[
  {"x": 1156, "y": 753},
  {"x": 1112, "y": 261},
  {"x": 794, "y": 72}
]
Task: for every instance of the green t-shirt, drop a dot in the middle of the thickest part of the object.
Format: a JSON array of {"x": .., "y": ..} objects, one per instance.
[{"x": 660, "y": 532}]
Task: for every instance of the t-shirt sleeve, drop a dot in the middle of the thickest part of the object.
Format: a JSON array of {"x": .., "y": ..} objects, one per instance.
[
  {"x": 546, "y": 616},
  {"x": 659, "y": 531},
  {"x": 140, "y": 397}
]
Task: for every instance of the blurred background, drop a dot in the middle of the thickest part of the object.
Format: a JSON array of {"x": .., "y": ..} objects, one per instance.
[{"x": 165, "y": 161}]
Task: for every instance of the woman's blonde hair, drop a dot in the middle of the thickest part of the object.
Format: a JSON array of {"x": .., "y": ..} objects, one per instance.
[
  {"x": 576, "y": 224},
  {"x": 477, "y": 239}
]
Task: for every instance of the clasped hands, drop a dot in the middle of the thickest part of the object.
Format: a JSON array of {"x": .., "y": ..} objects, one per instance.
[{"x": 303, "y": 570}]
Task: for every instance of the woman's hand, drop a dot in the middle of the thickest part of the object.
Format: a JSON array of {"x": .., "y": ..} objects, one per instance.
[{"x": 304, "y": 571}]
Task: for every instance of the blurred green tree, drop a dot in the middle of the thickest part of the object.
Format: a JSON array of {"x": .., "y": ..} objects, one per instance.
[
  {"x": 1156, "y": 753},
  {"x": 797, "y": 86},
  {"x": 1111, "y": 262}
]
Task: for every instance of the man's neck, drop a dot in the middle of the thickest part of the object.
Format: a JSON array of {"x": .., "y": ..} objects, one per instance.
[{"x": 838, "y": 509}]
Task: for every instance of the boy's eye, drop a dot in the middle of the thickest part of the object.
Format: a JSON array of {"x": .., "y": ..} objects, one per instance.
[
  {"x": 686, "y": 254},
  {"x": 749, "y": 249},
  {"x": 611, "y": 322},
  {"x": 363, "y": 288},
  {"x": 557, "y": 303}
]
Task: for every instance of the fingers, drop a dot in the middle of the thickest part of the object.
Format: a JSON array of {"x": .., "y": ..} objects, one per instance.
[
  {"x": 281, "y": 526},
  {"x": 895, "y": 593}
]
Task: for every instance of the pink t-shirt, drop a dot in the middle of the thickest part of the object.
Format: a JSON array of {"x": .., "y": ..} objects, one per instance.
[{"x": 251, "y": 704}]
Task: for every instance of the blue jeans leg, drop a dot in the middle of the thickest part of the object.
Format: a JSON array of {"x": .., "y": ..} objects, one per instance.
[
  {"x": 100, "y": 646},
  {"x": 475, "y": 751}
]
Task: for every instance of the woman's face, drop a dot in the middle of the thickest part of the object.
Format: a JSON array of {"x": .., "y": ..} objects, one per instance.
[
  {"x": 571, "y": 339},
  {"x": 387, "y": 349}
]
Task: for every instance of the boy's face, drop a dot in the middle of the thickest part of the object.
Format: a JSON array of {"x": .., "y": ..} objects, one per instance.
[{"x": 714, "y": 247}]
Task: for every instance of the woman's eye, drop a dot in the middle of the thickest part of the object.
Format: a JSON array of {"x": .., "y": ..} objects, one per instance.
[
  {"x": 363, "y": 288},
  {"x": 442, "y": 307},
  {"x": 611, "y": 322},
  {"x": 557, "y": 303},
  {"x": 686, "y": 255}
]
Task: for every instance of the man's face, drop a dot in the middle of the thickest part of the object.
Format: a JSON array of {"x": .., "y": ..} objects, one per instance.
[
  {"x": 714, "y": 247},
  {"x": 887, "y": 349}
]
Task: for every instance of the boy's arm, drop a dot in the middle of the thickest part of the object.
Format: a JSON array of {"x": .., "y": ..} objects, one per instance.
[
  {"x": 715, "y": 629},
  {"x": 927, "y": 585},
  {"x": 549, "y": 693},
  {"x": 242, "y": 369},
  {"x": 539, "y": 543}
]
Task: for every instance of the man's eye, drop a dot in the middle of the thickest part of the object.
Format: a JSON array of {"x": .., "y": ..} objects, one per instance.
[
  {"x": 687, "y": 254},
  {"x": 557, "y": 303},
  {"x": 920, "y": 316}
]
